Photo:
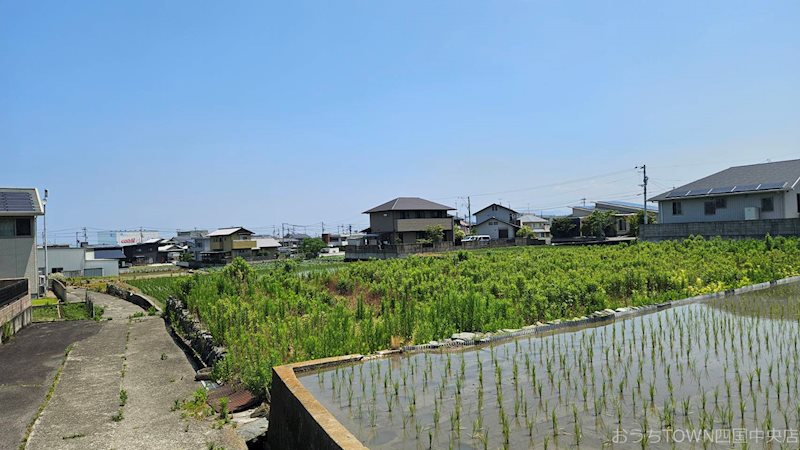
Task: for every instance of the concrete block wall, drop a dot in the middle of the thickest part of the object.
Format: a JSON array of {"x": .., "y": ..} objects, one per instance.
[
  {"x": 15, "y": 316},
  {"x": 738, "y": 229}
]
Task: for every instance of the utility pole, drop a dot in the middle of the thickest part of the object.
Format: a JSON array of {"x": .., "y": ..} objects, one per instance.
[
  {"x": 44, "y": 223},
  {"x": 644, "y": 185},
  {"x": 323, "y": 227},
  {"x": 85, "y": 236},
  {"x": 469, "y": 212},
  {"x": 584, "y": 201}
]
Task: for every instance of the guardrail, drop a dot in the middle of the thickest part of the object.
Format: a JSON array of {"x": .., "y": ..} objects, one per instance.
[{"x": 12, "y": 290}]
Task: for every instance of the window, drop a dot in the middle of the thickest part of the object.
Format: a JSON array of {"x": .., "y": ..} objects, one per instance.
[
  {"x": 720, "y": 203},
  {"x": 676, "y": 209},
  {"x": 56, "y": 270},
  {"x": 710, "y": 208},
  {"x": 6, "y": 228},
  {"x": 798, "y": 203},
  {"x": 767, "y": 204},
  {"x": 502, "y": 233},
  {"x": 494, "y": 207},
  {"x": 622, "y": 224},
  {"x": 419, "y": 214}
]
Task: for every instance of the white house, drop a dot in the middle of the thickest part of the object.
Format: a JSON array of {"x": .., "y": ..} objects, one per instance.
[
  {"x": 496, "y": 221},
  {"x": 540, "y": 226}
]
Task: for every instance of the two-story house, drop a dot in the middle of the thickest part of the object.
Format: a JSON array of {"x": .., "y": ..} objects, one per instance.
[
  {"x": 228, "y": 243},
  {"x": 496, "y": 221},
  {"x": 404, "y": 220}
]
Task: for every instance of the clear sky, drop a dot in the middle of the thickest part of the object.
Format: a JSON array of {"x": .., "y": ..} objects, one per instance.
[{"x": 185, "y": 114}]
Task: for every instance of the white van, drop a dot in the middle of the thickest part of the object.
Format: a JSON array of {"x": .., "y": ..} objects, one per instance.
[{"x": 477, "y": 238}]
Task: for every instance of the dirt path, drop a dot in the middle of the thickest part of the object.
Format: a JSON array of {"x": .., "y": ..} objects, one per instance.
[{"x": 137, "y": 356}]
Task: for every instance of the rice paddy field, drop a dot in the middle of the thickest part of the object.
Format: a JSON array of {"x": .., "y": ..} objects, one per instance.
[
  {"x": 282, "y": 312},
  {"x": 717, "y": 374}
]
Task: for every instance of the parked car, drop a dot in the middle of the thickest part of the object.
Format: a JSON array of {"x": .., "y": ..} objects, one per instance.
[{"x": 477, "y": 238}]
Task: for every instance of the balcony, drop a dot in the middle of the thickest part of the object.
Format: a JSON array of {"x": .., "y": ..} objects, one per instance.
[
  {"x": 403, "y": 225},
  {"x": 244, "y": 245}
]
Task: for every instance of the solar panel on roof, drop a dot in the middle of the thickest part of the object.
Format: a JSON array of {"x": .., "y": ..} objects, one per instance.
[
  {"x": 721, "y": 190},
  {"x": 16, "y": 202},
  {"x": 674, "y": 194},
  {"x": 745, "y": 188},
  {"x": 766, "y": 186},
  {"x": 696, "y": 192}
]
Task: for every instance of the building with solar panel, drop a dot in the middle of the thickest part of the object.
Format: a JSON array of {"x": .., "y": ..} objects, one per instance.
[
  {"x": 742, "y": 201},
  {"x": 18, "y": 211},
  {"x": 18, "y": 267}
]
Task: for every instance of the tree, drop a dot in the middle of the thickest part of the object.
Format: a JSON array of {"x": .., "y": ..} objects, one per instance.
[
  {"x": 459, "y": 234},
  {"x": 311, "y": 247},
  {"x": 637, "y": 219},
  {"x": 598, "y": 224},
  {"x": 186, "y": 257},
  {"x": 525, "y": 232},
  {"x": 562, "y": 227},
  {"x": 434, "y": 233}
]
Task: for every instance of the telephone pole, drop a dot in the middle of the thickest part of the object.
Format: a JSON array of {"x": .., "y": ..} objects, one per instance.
[
  {"x": 644, "y": 185},
  {"x": 46, "y": 266},
  {"x": 469, "y": 213}
]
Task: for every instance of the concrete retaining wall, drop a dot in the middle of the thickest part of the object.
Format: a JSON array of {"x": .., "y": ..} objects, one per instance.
[
  {"x": 60, "y": 289},
  {"x": 737, "y": 229},
  {"x": 137, "y": 299},
  {"x": 14, "y": 316},
  {"x": 297, "y": 420}
]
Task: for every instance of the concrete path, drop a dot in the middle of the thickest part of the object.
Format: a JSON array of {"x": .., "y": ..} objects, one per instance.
[
  {"x": 114, "y": 308},
  {"x": 139, "y": 356},
  {"x": 27, "y": 366}
]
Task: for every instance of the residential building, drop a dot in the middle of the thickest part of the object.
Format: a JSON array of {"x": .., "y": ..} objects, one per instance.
[
  {"x": 622, "y": 212},
  {"x": 266, "y": 247},
  {"x": 196, "y": 242},
  {"x": 19, "y": 208},
  {"x": 228, "y": 243},
  {"x": 753, "y": 192},
  {"x": 496, "y": 221},
  {"x": 143, "y": 253},
  {"x": 404, "y": 220},
  {"x": 539, "y": 225}
]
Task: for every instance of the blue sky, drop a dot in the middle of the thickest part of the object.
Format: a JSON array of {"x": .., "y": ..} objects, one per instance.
[{"x": 202, "y": 114}]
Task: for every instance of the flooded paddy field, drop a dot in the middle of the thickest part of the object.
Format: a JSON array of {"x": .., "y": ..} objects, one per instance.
[{"x": 717, "y": 374}]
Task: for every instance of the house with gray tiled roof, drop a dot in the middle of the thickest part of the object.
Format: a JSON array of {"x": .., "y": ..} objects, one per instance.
[
  {"x": 752, "y": 192},
  {"x": 404, "y": 220}
]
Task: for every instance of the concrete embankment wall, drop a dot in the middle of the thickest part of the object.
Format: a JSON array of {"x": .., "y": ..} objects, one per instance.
[
  {"x": 60, "y": 289},
  {"x": 193, "y": 334},
  {"x": 130, "y": 296},
  {"x": 297, "y": 420}
]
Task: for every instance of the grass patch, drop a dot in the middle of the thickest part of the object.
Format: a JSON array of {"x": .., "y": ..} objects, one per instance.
[
  {"x": 69, "y": 311},
  {"x": 44, "y": 301}
]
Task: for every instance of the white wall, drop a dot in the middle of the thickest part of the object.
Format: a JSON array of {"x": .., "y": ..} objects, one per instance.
[
  {"x": 493, "y": 231},
  {"x": 502, "y": 213}
]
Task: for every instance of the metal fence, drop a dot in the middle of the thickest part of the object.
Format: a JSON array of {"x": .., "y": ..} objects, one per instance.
[{"x": 12, "y": 290}]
